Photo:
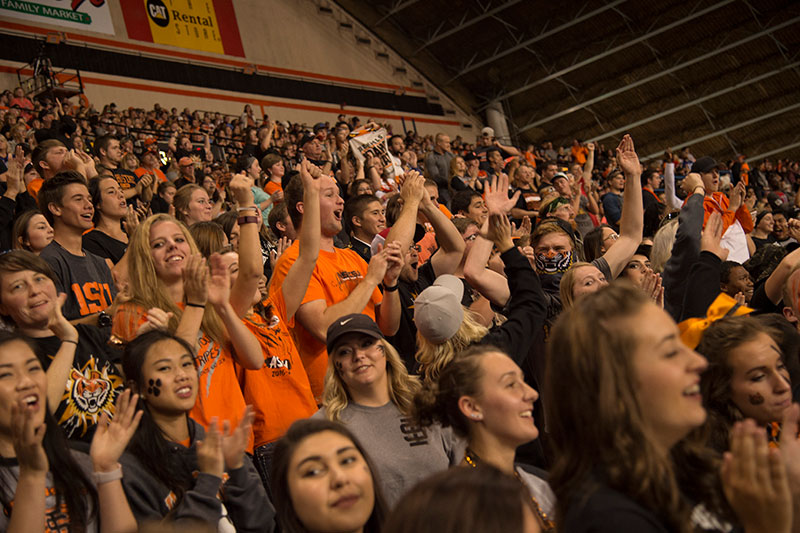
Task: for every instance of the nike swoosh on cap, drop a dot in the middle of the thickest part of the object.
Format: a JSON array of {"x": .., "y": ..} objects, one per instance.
[{"x": 343, "y": 322}]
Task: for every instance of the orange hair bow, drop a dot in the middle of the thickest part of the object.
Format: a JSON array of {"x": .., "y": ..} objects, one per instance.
[{"x": 723, "y": 306}]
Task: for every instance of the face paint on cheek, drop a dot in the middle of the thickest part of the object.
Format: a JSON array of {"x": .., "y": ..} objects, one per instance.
[
  {"x": 755, "y": 399},
  {"x": 154, "y": 388}
]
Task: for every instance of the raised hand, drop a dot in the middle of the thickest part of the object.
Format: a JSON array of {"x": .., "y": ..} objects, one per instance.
[
  {"x": 234, "y": 443},
  {"x": 210, "y": 459},
  {"x": 111, "y": 438},
  {"x": 413, "y": 189},
  {"x": 378, "y": 264},
  {"x": 240, "y": 186},
  {"x": 60, "y": 326},
  {"x": 394, "y": 263},
  {"x": 156, "y": 319},
  {"x": 283, "y": 244},
  {"x": 496, "y": 196},
  {"x": 651, "y": 285},
  {"x": 27, "y": 434},
  {"x": 219, "y": 281},
  {"x": 794, "y": 229},
  {"x": 627, "y": 158},
  {"x": 712, "y": 236},
  {"x": 737, "y": 195},
  {"x": 16, "y": 170},
  {"x": 790, "y": 448},
  {"x": 195, "y": 277},
  {"x": 498, "y": 231},
  {"x": 310, "y": 174},
  {"x": 755, "y": 482},
  {"x": 691, "y": 182}
]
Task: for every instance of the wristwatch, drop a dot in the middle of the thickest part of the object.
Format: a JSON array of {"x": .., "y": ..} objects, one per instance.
[{"x": 104, "y": 320}]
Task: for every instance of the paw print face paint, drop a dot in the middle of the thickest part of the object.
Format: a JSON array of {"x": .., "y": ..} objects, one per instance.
[{"x": 154, "y": 387}]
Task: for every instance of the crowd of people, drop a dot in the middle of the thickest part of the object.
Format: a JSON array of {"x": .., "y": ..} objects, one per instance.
[{"x": 219, "y": 323}]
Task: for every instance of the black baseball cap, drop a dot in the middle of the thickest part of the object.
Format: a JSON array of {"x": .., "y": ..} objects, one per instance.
[
  {"x": 354, "y": 323},
  {"x": 704, "y": 164}
]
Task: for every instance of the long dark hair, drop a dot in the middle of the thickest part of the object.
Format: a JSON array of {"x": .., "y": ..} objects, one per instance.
[
  {"x": 281, "y": 456},
  {"x": 149, "y": 444},
  {"x": 717, "y": 343},
  {"x": 72, "y": 486},
  {"x": 591, "y": 348}
]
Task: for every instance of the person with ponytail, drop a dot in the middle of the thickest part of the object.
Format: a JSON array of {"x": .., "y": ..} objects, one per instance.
[
  {"x": 45, "y": 486},
  {"x": 481, "y": 393},
  {"x": 179, "y": 472}
]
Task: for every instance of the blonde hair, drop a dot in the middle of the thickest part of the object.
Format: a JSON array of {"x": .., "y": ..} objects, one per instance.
[
  {"x": 402, "y": 387},
  {"x": 662, "y": 245},
  {"x": 567, "y": 285},
  {"x": 149, "y": 291},
  {"x": 434, "y": 357}
]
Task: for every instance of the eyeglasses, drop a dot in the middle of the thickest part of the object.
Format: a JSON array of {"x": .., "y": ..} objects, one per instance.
[{"x": 612, "y": 236}]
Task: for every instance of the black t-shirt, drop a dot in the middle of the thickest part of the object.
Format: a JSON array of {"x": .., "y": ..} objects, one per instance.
[
  {"x": 104, "y": 245},
  {"x": 85, "y": 279},
  {"x": 405, "y": 340},
  {"x": 93, "y": 382},
  {"x": 159, "y": 205},
  {"x": 601, "y": 509},
  {"x": 125, "y": 178}
]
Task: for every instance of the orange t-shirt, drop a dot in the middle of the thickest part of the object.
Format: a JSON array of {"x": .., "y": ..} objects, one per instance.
[
  {"x": 279, "y": 391},
  {"x": 271, "y": 188},
  {"x": 579, "y": 154},
  {"x": 34, "y": 186},
  {"x": 717, "y": 201},
  {"x": 141, "y": 171},
  {"x": 335, "y": 276},
  {"x": 220, "y": 395}
]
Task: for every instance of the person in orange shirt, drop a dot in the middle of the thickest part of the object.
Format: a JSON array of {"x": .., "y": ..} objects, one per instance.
[
  {"x": 579, "y": 152},
  {"x": 272, "y": 164},
  {"x": 172, "y": 285},
  {"x": 150, "y": 166},
  {"x": 279, "y": 391},
  {"x": 341, "y": 284},
  {"x": 736, "y": 217}
]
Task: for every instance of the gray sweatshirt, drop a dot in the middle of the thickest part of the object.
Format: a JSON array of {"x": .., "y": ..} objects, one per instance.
[{"x": 403, "y": 452}]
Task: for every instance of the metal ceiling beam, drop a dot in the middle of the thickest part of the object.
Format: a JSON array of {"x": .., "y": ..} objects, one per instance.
[
  {"x": 669, "y": 27},
  {"x": 650, "y": 118},
  {"x": 727, "y": 130},
  {"x": 396, "y": 8},
  {"x": 658, "y": 75},
  {"x": 541, "y": 36},
  {"x": 773, "y": 152},
  {"x": 474, "y": 20}
]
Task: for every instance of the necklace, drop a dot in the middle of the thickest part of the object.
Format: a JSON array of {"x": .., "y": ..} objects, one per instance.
[{"x": 544, "y": 520}]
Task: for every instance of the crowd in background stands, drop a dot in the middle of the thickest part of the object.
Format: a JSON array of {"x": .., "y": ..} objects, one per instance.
[{"x": 236, "y": 323}]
